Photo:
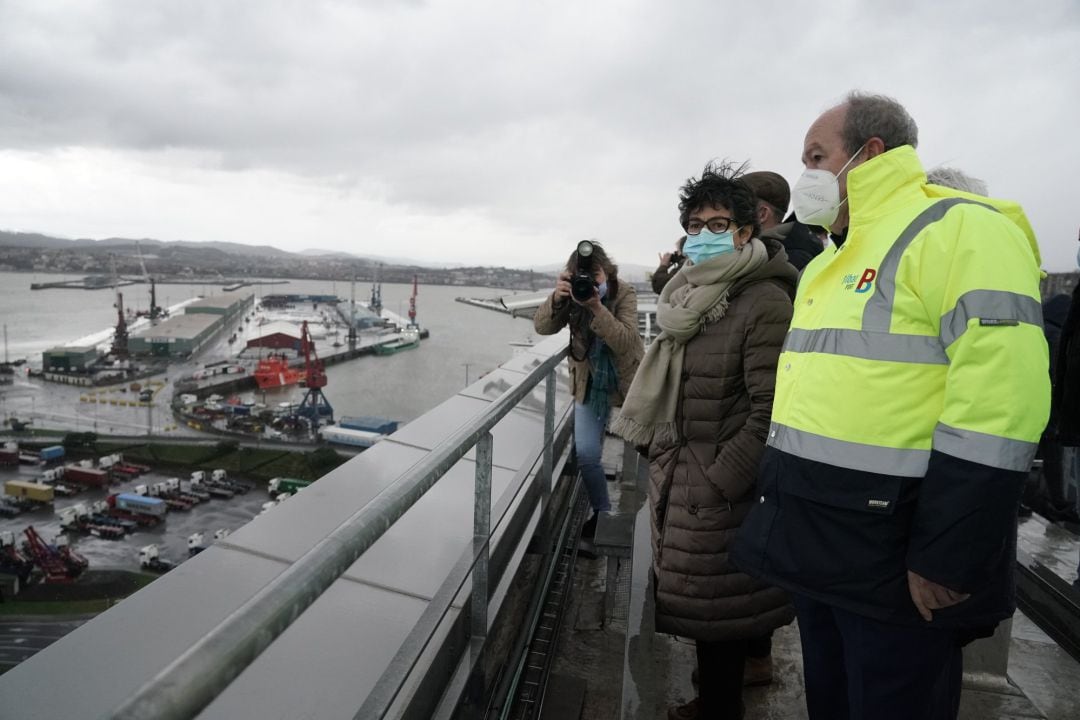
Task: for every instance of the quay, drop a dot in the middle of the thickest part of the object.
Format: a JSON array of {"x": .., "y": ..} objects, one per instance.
[{"x": 440, "y": 574}]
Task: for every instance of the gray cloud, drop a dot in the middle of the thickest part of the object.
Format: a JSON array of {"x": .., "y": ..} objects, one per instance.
[{"x": 542, "y": 122}]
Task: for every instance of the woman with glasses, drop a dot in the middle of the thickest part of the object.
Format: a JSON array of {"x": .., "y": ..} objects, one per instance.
[
  {"x": 701, "y": 401},
  {"x": 605, "y": 349}
]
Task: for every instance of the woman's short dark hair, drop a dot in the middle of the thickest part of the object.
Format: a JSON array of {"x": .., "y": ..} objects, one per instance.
[{"x": 720, "y": 185}]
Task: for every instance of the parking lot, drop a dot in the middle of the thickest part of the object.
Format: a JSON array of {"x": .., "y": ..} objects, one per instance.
[{"x": 171, "y": 536}]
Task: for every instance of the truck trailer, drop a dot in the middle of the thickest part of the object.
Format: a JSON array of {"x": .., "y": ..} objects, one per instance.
[
  {"x": 79, "y": 475},
  {"x": 52, "y": 453},
  {"x": 38, "y": 492},
  {"x": 140, "y": 504}
]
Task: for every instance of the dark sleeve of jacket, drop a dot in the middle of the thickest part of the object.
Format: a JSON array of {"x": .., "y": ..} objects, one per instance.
[
  {"x": 551, "y": 318},
  {"x": 661, "y": 276},
  {"x": 618, "y": 327},
  {"x": 735, "y": 469},
  {"x": 966, "y": 515},
  {"x": 801, "y": 246}
]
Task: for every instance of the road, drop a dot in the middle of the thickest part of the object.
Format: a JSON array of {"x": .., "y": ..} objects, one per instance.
[{"x": 22, "y": 636}]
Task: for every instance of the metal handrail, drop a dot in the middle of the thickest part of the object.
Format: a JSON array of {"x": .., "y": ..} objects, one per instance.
[{"x": 189, "y": 683}]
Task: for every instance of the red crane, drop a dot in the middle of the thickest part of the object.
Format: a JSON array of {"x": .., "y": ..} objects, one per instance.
[
  {"x": 412, "y": 303},
  {"x": 314, "y": 405},
  {"x": 52, "y": 564}
]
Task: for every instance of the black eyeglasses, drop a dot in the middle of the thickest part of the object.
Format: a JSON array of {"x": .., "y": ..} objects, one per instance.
[{"x": 715, "y": 225}]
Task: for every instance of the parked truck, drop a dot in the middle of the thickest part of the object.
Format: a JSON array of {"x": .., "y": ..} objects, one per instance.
[
  {"x": 53, "y": 453},
  {"x": 280, "y": 485},
  {"x": 79, "y": 475},
  {"x": 9, "y": 454},
  {"x": 150, "y": 559},
  {"x": 38, "y": 492},
  {"x": 139, "y": 504}
]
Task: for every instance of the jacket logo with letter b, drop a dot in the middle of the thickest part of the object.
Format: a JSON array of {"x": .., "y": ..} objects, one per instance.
[{"x": 863, "y": 284}]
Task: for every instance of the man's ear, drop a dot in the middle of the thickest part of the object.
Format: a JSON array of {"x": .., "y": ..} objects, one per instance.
[
  {"x": 762, "y": 213},
  {"x": 874, "y": 147}
]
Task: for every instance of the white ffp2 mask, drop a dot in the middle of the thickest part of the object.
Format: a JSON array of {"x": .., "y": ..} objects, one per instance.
[{"x": 816, "y": 196}]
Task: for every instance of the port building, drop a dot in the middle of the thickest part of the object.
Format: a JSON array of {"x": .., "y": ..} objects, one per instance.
[
  {"x": 183, "y": 335},
  {"x": 227, "y": 305},
  {"x": 68, "y": 359},
  {"x": 278, "y": 336}
]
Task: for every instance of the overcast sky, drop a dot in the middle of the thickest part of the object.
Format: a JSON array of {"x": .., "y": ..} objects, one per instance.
[{"x": 499, "y": 132}]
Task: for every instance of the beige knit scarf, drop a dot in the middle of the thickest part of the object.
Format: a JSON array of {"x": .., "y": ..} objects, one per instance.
[{"x": 694, "y": 298}]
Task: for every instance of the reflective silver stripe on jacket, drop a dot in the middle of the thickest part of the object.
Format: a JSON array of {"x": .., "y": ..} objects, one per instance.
[
  {"x": 989, "y": 305},
  {"x": 877, "y": 314},
  {"x": 868, "y": 345},
  {"x": 977, "y": 447},
  {"x": 847, "y": 454}
]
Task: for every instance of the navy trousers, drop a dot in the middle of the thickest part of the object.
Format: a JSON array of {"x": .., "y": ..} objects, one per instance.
[{"x": 857, "y": 668}]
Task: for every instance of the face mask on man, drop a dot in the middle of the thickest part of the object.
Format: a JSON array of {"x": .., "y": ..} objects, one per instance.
[
  {"x": 707, "y": 245},
  {"x": 816, "y": 196},
  {"x": 601, "y": 290}
]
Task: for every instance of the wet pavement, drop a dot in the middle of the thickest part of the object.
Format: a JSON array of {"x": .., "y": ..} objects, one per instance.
[{"x": 171, "y": 536}]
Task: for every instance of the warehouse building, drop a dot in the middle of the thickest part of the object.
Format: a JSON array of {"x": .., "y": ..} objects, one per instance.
[
  {"x": 68, "y": 359},
  {"x": 227, "y": 305},
  {"x": 179, "y": 336},
  {"x": 277, "y": 335}
]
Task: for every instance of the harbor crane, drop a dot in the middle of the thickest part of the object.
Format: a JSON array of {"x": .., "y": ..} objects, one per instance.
[
  {"x": 119, "y": 347},
  {"x": 314, "y": 406},
  {"x": 412, "y": 303},
  {"x": 155, "y": 311},
  {"x": 375, "y": 305}
]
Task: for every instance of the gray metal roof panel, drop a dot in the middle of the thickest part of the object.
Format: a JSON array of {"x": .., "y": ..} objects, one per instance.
[
  {"x": 324, "y": 665},
  {"x": 126, "y": 645}
]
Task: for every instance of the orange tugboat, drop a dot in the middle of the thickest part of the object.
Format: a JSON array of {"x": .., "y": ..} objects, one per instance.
[{"x": 274, "y": 371}]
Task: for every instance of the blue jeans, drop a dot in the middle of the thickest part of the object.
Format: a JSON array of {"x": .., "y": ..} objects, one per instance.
[{"x": 588, "y": 442}]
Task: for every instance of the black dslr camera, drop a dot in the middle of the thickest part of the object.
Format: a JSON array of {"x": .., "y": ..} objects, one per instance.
[{"x": 582, "y": 284}]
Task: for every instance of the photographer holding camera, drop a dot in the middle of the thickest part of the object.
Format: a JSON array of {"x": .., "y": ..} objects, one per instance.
[
  {"x": 605, "y": 349},
  {"x": 670, "y": 263}
]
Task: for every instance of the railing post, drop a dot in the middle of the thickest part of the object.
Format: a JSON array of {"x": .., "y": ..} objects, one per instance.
[
  {"x": 481, "y": 531},
  {"x": 549, "y": 440}
]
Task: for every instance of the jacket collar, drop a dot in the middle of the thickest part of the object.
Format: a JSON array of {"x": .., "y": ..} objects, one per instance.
[{"x": 884, "y": 183}]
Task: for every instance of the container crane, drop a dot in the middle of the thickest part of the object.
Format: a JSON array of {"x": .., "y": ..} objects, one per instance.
[
  {"x": 412, "y": 303},
  {"x": 314, "y": 406},
  {"x": 155, "y": 311},
  {"x": 376, "y": 294},
  {"x": 120, "y": 334}
]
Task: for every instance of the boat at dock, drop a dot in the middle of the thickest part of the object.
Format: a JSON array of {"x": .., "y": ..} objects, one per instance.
[
  {"x": 409, "y": 339},
  {"x": 274, "y": 371}
]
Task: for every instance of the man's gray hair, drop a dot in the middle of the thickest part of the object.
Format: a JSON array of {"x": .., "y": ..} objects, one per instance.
[
  {"x": 870, "y": 116},
  {"x": 957, "y": 180}
]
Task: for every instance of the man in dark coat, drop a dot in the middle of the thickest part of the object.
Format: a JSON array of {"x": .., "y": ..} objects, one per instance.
[
  {"x": 774, "y": 194},
  {"x": 1065, "y": 394}
]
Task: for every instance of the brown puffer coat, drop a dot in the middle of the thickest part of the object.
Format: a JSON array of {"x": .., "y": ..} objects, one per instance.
[
  {"x": 617, "y": 326},
  {"x": 702, "y": 487}
]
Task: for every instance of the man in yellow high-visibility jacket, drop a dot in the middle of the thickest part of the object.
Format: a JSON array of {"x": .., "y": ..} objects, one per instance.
[{"x": 910, "y": 396}]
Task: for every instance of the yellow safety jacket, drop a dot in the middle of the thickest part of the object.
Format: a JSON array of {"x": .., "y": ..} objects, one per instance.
[
  {"x": 910, "y": 396},
  {"x": 922, "y": 331}
]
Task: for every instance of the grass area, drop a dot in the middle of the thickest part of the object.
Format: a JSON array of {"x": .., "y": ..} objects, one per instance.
[
  {"x": 255, "y": 463},
  {"x": 94, "y": 592},
  {"x": 55, "y": 607}
]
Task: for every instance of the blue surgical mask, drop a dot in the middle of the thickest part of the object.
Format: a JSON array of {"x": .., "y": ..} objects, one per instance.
[
  {"x": 601, "y": 290},
  {"x": 707, "y": 245}
]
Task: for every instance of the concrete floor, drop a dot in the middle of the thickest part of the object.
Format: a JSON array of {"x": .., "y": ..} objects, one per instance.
[{"x": 1044, "y": 681}]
